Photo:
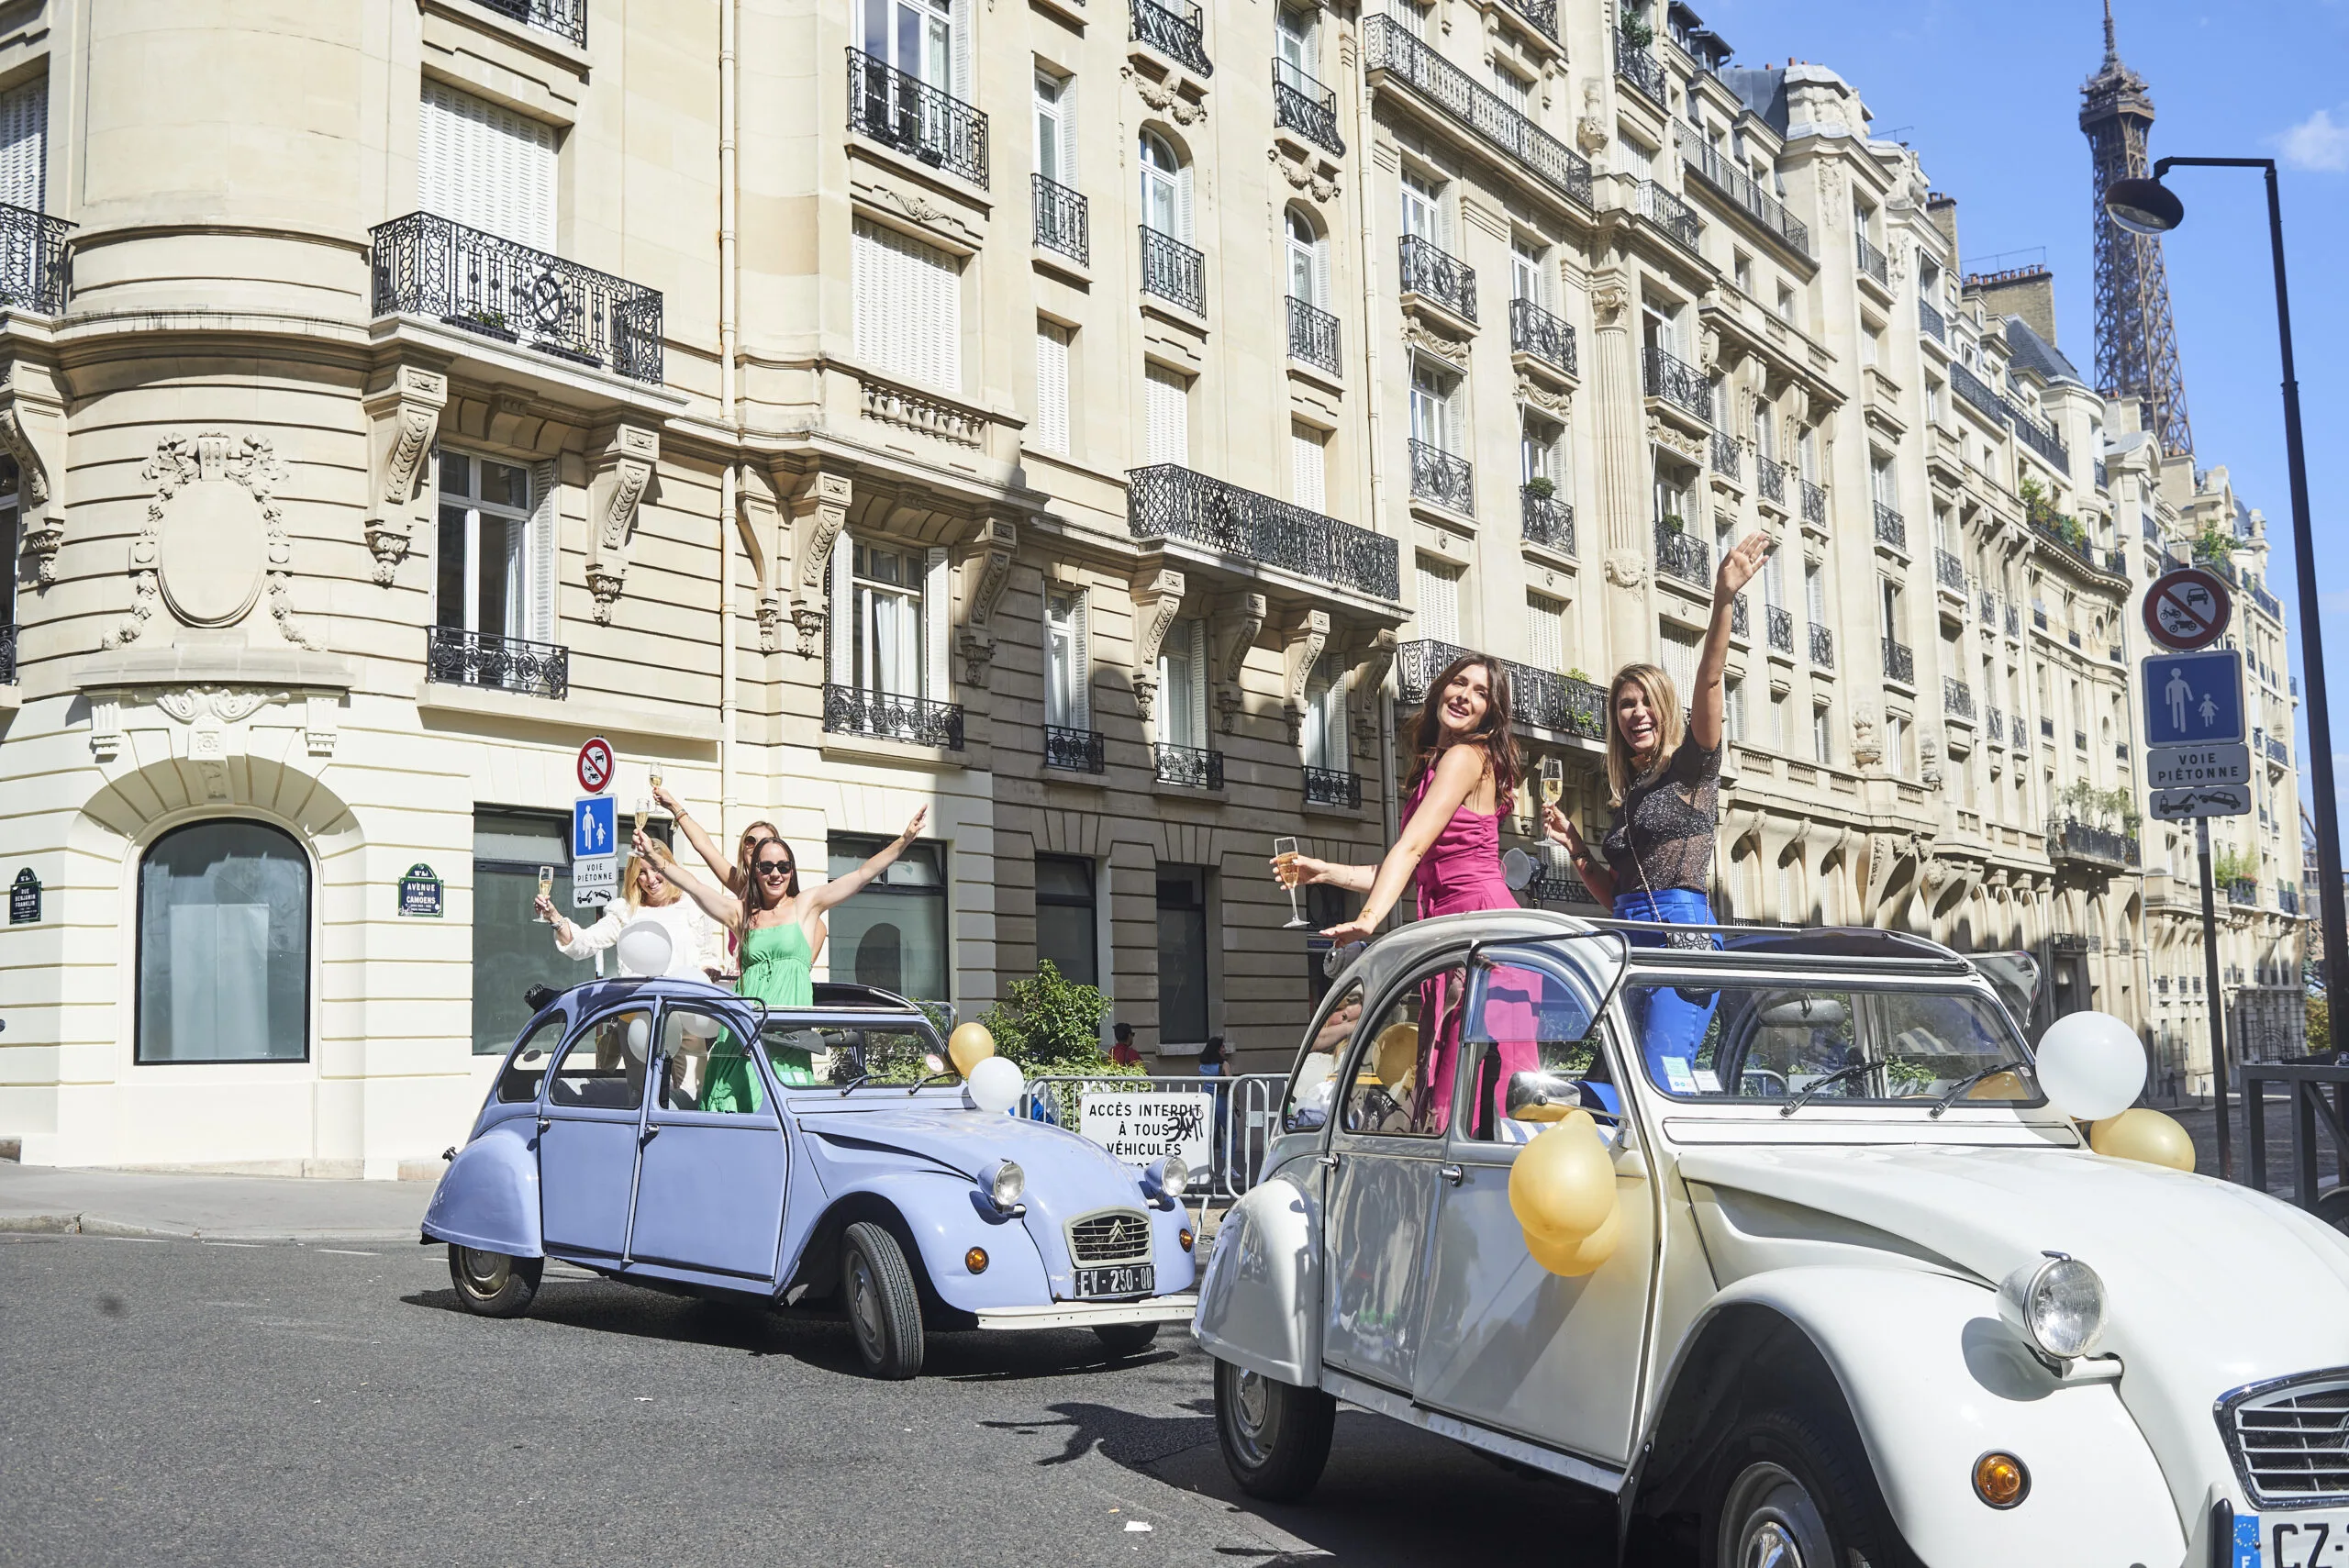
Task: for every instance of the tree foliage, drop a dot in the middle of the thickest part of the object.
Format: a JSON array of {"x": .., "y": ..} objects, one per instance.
[{"x": 1048, "y": 1023}]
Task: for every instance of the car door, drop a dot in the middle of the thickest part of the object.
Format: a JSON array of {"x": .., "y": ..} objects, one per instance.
[
  {"x": 1508, "y": 1344},
  {"x": 588, "y": 1128},
  {"x": 1390, "y": 1107},
  {"x": 710, "y": 1193}
]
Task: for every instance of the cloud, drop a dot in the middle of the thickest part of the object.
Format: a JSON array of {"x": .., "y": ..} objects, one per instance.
[{"x": 2319, "y": 144}]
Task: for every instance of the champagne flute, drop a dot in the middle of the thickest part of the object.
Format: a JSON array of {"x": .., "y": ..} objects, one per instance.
[
  {"x": 546, "y": 886},
  {"x": 1284, "y": 867},
  {"x": 1554, "y": 780}
]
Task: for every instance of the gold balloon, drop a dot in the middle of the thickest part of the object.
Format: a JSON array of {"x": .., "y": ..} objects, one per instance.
[
  {"x": 1577, "y": 1259},
  {"x": 2147, "y": 1135},
  {"x": 1562, "y": 1188},
  {"x": 1396, "y": 1051},
  {"x": 2000, "y": 1087},
  {"x": 969, "y": 1045}
]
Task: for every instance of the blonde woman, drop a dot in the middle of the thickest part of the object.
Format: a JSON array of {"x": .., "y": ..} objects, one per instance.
[{"x": 646, "y": 893}]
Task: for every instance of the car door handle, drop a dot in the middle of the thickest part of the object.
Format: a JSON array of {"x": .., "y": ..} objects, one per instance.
[
  {"x": 1451, "y": 1174},
  {"x": 544, "y": 1123},
  {"x": 650, "y": 1133},
  {"x": 1328, "y": 1161}
]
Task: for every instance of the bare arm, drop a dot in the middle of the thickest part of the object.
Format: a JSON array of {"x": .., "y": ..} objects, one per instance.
[
  {"x": 840, "y": 888},
  {"x": 724, "y": 870},
  {"x": 1311, "y": 872},
  {"x": 1705, "y": 703},
  {"x": 716, "y": 902},
  {"x": 1597, "y": 875},
  {"x": 1455, "y": 777}
]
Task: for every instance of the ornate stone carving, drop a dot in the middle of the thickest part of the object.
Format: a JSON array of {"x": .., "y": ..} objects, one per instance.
[
  {"x": 1608, "y": 300},
  {"x": 1419, "y": 334},
  {"x": 1158, "y": 600},
  {"x": 1868, "y": 749},
  {"x": 403, "y": 419},
  {"x": 1831, "y": 196},
  {"x": 986, "y": 570},
  {"x": 1242, "y": 621},
  {"x": 225, "y": 551},
  {"x": 1591, "y": 126},
  {"x": 1929, "y": 760},
  {"x": 1532, "y": 393},
  {"x": 1371, "y": 661},
  {"x": 623, "y": 467},
  {"x": 1302, "y": 175},
  {"x": 1167, "y": 97},
  {"x": 32, "y": 431},
  {"x": 818, "y": 512},
  {"x": 1626, "y": 569},
  {"x": 1676, "y": 440},
  {"x": 1308, "y": 635}
]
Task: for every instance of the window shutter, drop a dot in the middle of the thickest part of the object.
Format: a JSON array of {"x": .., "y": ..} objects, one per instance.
[
  {"x": 908, "y": 302},
  {"x": 1309, "y": 470},
  {"x": 839, "y": 623},
  {"x": 1321, "y": 295},
  {"x": 1455, "y": 419},
  {"x": 545, "y": 561},
  {"x": 960, "y": 45},
  {"x": 1167, "y": 408},
  {"x": 1069, "y": 138},
  {"x": 1183, "y": 206},
  {"x": 1080, "y": 661},
  {"x": 486, "y": 167},
  {"x": 1051, "y": 387},
  {"x": 936, "y": 613},
  {"x": 24, "y": 146},
  {"x": 1679, "y": 661},
  {"x": 1198, "y": 735}
]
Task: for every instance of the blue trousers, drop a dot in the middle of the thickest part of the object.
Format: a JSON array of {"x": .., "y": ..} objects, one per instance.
[{"x": 1669, "y": 1022}]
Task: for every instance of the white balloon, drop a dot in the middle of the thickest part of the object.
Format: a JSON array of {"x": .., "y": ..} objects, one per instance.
[
  {"x": 2091, "y": 1064},
  {"x": 645, "y": 947},
  {"x": 995, "y": 1084}
]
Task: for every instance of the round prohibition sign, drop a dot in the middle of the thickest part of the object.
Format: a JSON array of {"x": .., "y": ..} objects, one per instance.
[
  {"x": 595, "y": 766},
  {"x": 2188, "y": 608}
]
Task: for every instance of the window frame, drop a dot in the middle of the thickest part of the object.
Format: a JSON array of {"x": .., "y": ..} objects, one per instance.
[
  {"x": 310, "y": 955},
  {"x": 859, "y": 847},
  {"x": 1090, "y": 902},
  {"x": 527, "y": 582}
]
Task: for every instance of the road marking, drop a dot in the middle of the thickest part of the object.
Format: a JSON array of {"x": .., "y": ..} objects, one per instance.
[
  {"x": 255, "y": 1245},
  {"x": 346, "y": 1252},
  {"x": 152, "y": 1241}
]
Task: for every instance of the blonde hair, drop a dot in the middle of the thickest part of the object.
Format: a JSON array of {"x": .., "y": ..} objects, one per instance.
[
  {"x": 632, "y": 883},
  {"x": 1655, "y": 684}
]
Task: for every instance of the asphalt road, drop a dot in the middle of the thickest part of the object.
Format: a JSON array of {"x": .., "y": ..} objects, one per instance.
[{"x": 197, "y": 1403}]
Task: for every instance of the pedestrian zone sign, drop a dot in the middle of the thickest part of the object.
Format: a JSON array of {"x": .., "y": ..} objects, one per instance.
[
  {"x": 2192, "y": 699},
  {"x": 594, "y": 849}
]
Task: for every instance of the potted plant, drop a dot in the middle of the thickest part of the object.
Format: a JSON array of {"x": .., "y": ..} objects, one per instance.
[
  {"x": 1540, "y": 484},
  {"x": 1634, "y": 28}
]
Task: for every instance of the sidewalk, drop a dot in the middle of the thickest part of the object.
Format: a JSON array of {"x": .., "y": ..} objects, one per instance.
[{"x": 244, "y": 1208}]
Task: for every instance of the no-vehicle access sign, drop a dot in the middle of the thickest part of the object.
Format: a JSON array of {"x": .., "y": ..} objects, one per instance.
[{"x": 2188, "y": 608}]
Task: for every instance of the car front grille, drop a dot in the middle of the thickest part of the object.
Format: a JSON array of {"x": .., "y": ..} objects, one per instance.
[
  {"x": 2291, "y": 1437},
  {"x": 1114, "y": 1236}
]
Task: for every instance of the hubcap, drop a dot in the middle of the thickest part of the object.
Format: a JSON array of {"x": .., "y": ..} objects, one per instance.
[
  {"x": 485, "y": 1273},
  {"x": 1251, "y": 1408},
  {"x": 1772, "y": 1521},
  {"x": 864, "y": 1302}
]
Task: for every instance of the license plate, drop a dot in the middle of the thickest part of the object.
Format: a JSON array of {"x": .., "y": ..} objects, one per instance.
[
  {"x": 1126, "y": 1279},
  {"x": 2318, "y": 1538}
]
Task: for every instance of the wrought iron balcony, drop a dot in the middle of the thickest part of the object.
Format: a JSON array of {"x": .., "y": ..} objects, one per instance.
[
  {"x": 1976, "y": 391},
  {"x": 1438, "y": 476},
  {"x": 1989, "y": 609},
  {"x": 1957, "y": 697},
  {"x": 1173, "y": 271},
  {"x": 1930, "y": 322},
  {"x": 34, "y": 270},
  {"x": 1679, "y": 554},
  {"x": 1814, "y": 502},
  {"x": 425, "y": 265},
  {"x": 1722, "y": 172},
  {"x": 1822, "y": 645},
  {"x": 1890, "y": 529},
  {"x": 1193, "y": 767},
  {"x": 1548, "y": 521},
  {"x": 1724, "y": 455},
  {"x": 2103, "y": 476},
  {"x": 1312, "y": 335},
  {"x": 1543, "y": 13},
  {"x": 456, "y": 657},
  {"x": 1671, "y": 214},
  {"x": 1949, "y": 571},
  {"x": 1305, "y": 106},
  {"x": 1677, "y": 382},
  {"x": 2243, "y": 890},
  {"x": 2278, "y": 752},
  {"x": 1741, "y": 619},
  {"x": 1074, "y": 751},
  {"x": 1166, "y": 501},
  {"x": 1782, "y": 628},
  {"x": 2267, "y": 603},
  {"x": 1063, "y": 219},
  {"x": 1176, "y": 29},
  {"x": 1772, "y": 478},
  {"x": 2071, "y": 839},
  {"x": 923, "y": 122},
  {"x": 886, "y": 716},
  {"x": 2014, "y": 619},
  {"x": 1642, "y": 71},
  {"x": 1541, "y": 698},
  {"x": 1389, "y": 47},
  {"x": 2287, "y": 899},
  {"x": 7, "y": 655},
  {"x": 564, "y": 18},
  {"x": 2042, "y": 439},
  {"x": 2152, "y": 529},
  {"x": 1333, "y": 787},
  {"x": 1899, "y": 662},
  {"x": 1994, "y": 725},
  {"x": 1533, "y": 331},
  {"x": 1872, "y": 264},
  {"x": 1431, "y": 274}
]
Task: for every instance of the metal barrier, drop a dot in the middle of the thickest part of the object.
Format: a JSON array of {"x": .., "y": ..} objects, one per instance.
[
  {"x": 1242, "y": 1119},
  {"x": 2305, "y": 1082}
]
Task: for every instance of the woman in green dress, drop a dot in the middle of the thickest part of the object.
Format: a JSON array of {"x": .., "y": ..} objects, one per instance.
[{"x": 781, "y": 931}]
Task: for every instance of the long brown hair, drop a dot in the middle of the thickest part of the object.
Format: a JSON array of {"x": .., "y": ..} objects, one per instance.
[
  {"x": 1495, "y": 735},
  {"x": 746, "y": 849},
  {"x": 1655, "y": 684},
  {"x": 752, "y": 896}
]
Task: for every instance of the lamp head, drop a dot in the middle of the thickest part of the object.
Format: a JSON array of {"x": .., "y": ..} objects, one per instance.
[{"x": 2143, "y": 206}]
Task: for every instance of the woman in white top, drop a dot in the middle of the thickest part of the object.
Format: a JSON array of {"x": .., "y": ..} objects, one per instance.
[{"x": 645, "y": 895}]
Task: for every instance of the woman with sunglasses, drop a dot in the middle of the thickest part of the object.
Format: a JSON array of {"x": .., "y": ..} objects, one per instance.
[{"x": 735, "y": 874}]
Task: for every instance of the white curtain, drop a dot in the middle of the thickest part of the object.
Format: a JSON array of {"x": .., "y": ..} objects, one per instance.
[{"x": 219, "y": 981}]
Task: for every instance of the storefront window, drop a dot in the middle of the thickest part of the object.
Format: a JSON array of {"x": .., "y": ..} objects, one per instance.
[
  {"x": 224, "y": 946},
  {"x": 892, "y": 933},
  {"x": 1182, "y": 956},
  {"x": 512, "y": 951},
  {"x": 1065, "y": 929}
]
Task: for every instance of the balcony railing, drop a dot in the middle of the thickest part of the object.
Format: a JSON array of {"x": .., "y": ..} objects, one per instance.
[
  {"x": 2278, "y": 752},
  {"x": 1541, "y": 698},
  {"x": 1957, "y": 697},
  {"x": 1899, "y": 662},
  {"x": 1782, "y": 629},
  {"x": 1677, "y": 382},
  {"x": 1722, "y": 172},
  {"x": 34, "y": 271},
  {"x": 2069, "y": 837},
  {"x": 1431, "y": 274},
  {"x": 1543, "y": 13},
  {"x": 1173, "y": 271},
  {"x": 1870, "y": 260},
  {"x": 1176, "y": 29},
  {"x": 2103, "y": 476},
  {"x": 2152, "y": 529},
  {"x": 7, "y": 655},
  {"x": 1312, "y": 335},
  {"x": 564, "y": 18},
  {"x": 1822, "y": 645},
  {"x": 1063, "y": 222},
  {"x": 456, "y": 657},
  {"x": 2243, "y": 890},
  {"x": 1741, "y": 618},
  {"x": 1772, "y": 478},
  {"x": 1533, "y": 331},
  {"x": 1305, "y": 106},
  {"x": 1890, "y": 529},
  {"x": 2287, "y": 899},
  {"x": 1548, "y": 521},
  {"x": 1671, "y": 214},
  {"x": 1333, "y": 787},
  {"x": 2267, "y": 603},
  {"x": 2041, "y": 440},
  {"x": 1974, "y": 389},
  {"x": 886, "y": 716},
  {"x": 1930, "y": 322},
  {"x": 1994, "y": 725},
  {"x": 1949, "y": 571},
  {"x": 1642, "y": 71},
  {"x": 1814, "y": 503},
  {"x": 921, "y": 121},
  {"x": 425, "y": 265},
  {"x": 2014, "y": 619},
  {"x": 1679, "y": 554},
  {"x": 1438, "y": 476},
  {"x": 1194, "y": 767},
  {"x": 1166, "y": 501},
  {"x": 1074, "y": 751},
  {"x": 1726, "y": 460},
  {"x": 1989, "y": 609},
  {"x": 1390, "y": 49}
]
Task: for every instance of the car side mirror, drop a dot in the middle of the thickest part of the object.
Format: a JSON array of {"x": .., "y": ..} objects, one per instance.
[{"x": 1542, "y": 1096}]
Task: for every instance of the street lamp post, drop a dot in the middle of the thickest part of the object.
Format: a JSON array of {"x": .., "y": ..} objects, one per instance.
[{"x": 2148, "y": 206}]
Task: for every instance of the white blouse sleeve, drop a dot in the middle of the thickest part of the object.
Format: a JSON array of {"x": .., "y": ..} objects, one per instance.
[{"x": 588, "y": 941}]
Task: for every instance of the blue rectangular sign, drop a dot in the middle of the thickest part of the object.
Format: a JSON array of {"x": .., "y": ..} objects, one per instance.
[
  {"x": 595, "y": 828},
  {"x": 2193, "y": 699}
]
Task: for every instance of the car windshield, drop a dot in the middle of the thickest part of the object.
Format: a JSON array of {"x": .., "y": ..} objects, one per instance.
[
  {"x": 835, "y": 1055},
  {"x": 1757, "y": 1040}
]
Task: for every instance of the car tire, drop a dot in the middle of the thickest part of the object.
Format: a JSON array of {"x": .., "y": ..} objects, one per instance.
[
  {"x": 1275, "y": 1435},
  {"x": 1125, "y": 1339},
  {"x": 494, "y": 1284},
  {"x": 883, "y": 1306},
  {"x": 2333, "y": 1208},
  {"x": 1791, "y": 1490}
]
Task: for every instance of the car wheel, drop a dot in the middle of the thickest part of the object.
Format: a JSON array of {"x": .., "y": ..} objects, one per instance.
[
  {"x": 1125, "y": 1339},
  {"x": 2333, "y": 1208},
  {"x": 495, "y": 1284},
  {"x": 1790, "y": 1492},
  {"x": 883, "y": 1307},
  {"x": 1275, "y": 1435}
]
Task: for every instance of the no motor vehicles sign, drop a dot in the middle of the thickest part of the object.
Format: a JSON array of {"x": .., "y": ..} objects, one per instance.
[
  {"x": 1148, "y": 1125},
  {"x": 2188, "y": 608}
]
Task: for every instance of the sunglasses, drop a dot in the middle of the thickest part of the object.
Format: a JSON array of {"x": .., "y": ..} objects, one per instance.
[{"x": 780, "y": 868}]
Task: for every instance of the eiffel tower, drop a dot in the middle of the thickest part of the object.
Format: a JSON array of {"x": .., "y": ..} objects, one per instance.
[{"x": 2136, "y": 343}]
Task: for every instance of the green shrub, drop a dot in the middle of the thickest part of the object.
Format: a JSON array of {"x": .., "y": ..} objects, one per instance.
[{"x": 1049, "y": 1024}]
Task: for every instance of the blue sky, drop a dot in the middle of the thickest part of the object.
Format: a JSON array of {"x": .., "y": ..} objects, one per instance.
[{"x": 1991, "y": 89}]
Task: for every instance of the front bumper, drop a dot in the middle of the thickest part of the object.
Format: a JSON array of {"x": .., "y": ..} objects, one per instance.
[{"x": 1091, "y": 1314}]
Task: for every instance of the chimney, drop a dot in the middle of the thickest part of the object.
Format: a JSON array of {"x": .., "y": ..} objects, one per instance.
[
  {"x": 2027, "y": 292},
  {"x": 1942, "y": 210}
]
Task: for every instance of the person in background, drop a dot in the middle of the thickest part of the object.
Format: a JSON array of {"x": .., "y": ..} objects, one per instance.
[
  {"x": 1211, "y": 1065},
  {"x": 646, "y": 893},
  {"x": 1211, "y": 1058},
  {"x": 735, "y": 875},
  {"x": 1122, "y": 1046}
]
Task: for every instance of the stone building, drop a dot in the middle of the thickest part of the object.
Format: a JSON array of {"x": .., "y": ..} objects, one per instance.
[{"x": 709, "y": 376}]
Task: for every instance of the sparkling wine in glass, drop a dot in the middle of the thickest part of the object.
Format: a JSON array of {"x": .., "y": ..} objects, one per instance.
[
  {"x": 546, "y": 885},
  {"x": 1554, "y": 780},
  {"x": 1285, "y": 866}
]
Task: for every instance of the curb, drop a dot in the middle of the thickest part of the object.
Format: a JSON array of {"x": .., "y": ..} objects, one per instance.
[{"x": 86, "y": 1225}]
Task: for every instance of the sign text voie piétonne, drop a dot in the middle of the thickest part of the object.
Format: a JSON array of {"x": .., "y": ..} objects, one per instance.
[{"x": 2174, "y": 767}]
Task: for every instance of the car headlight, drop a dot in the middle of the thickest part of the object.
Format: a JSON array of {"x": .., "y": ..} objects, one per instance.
[
  {"x": 2057, "y": 1303},
  {"x": 1166, "y": 1178},
  {"x": 1007, "y": 1184}
]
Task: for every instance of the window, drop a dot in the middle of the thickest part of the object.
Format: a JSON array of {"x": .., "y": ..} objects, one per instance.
[
  {"x": 1182, "y": 707},
  {"x": 1050, "y": 433},
  {"x": 1883, "y": 488},
  {"x": 1165, "y": 188},
  {"x": 1411, "y": 18},
  {"x": 705, "y": 1068},
  {"x": 1297, "y": 46},
  {"x": 604, "y": 1068},
  {"x": 1308, "y": 261},
  {"x": 24, "y": 146},
  {"x": 1166, "y": 407},
  {"x": 1733, "y": 707},
  {"x": 11, "y": 541},
  {"x": 1545, "y": 632},
  {"x": 512, "y": 952},
  {"x": 1638, "y": 160},
  {"x": 1776, "y": 739},
  {"x": 1309, "y": 468},
  {"x": 1814, "y": 592},
  {"x": 927, "y": 39},
  {"x": 486, "y": 167},
  {"x": 1675, "y": 501},
  {"x": 1313, "y": 1083},
  {"x": 1066, "y": 934},
  {"x": 1512, "y": 89},
  {"x": 1439, "y": 611},
  {"x": 1774, "y": 580},
  {"x": 1423, "y": 208},
  {"x": 1436, "y": 413},
  {"x": 1323, "y": 734},
  {"x": 494, "y": 573},
  {"x": 885, "y": 630},
  {"x": 1823, "y": 736},
  {"x": 892, "y": 932},
  {"x": 224, "y": 945},
  {"x": 518, "y": 1083},
  {"x": 1527, "y": 275},
  {"x": 1068, "y": 662},
  {"x": 1183, "y": 1000},
  {"x": 1932, "y": 400},
  {"x": 1398, "y": 1087},
  {"x": 1541, "y": 450},
  {"x": 908, "y": 302},
  {"x": 1871, "y": 343},
  {"x": 1056, "y": 128},
  {"x": 1889, "y": 591},
  {"x": 1679, "y": 659},
  {"x": 1742, "y": 269},
  {"x": 1807, "y": 452},
  {"x": 1785, "y": 303},
  {"x": 1896, "y": 743}
]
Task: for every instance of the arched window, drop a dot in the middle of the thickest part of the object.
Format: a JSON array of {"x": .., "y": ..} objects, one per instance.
[
  {"x": 1308, "y": 261},
  {"x": 224, "y": 946},
  {"x": 1165, "y": 188}
]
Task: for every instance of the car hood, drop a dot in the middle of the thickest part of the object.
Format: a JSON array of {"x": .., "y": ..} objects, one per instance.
[{"x": 967, "y": 1140}]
